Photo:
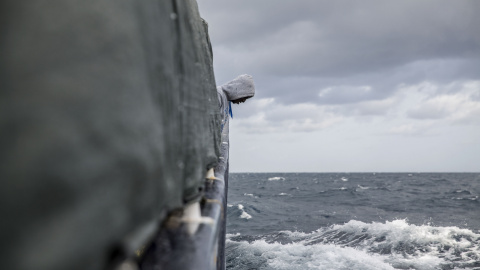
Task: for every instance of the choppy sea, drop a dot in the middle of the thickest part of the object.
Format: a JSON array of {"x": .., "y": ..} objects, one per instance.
[{"x": 353, "y": 221}]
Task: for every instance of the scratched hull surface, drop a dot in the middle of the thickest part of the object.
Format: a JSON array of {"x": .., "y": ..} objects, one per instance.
[{"x": 353, "y": 221}]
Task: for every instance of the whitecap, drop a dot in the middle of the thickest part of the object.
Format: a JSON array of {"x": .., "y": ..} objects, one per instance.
[
  {"x": 358, "y": 245},
  {"x": 428, "y": 247},
  {"x": 295, "y": 256},
  {"x": 244, "y": 214},
  {"x": 467, "y": 198},
  {"x": 277, "y": 178}
]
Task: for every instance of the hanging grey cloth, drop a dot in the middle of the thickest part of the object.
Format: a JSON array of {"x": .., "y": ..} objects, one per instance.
[{"x": 240, "y": 87}]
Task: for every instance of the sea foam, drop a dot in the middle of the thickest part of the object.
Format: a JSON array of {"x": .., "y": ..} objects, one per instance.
[
  {"x": 244, "y": 214},
  {"x": 358, "y": 245},
  {"x": 276, "y": 178},
  {"x": 299, "y": 256}
]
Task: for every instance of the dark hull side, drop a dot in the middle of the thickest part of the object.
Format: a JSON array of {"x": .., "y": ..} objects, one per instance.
[{"x": 109, "y": 122}]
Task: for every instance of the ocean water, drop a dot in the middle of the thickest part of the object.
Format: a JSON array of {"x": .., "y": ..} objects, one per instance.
[{"x": 353, "y": 221}]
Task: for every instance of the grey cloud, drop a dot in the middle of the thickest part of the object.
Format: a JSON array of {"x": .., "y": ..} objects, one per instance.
[
  {"x": 347, "y": 37},
  {"x": 411, "y": 130},
  {"x": 407, "y": 51},
  {"x": 456, "y": 103},
  {"x": 384, "y": 84},
  {"x": 427, "y": 113},
  {"x": 368, "y": 108},
  {"x": 294, "y": 49}
]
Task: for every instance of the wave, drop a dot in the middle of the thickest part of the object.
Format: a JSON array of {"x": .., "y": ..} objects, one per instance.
[
  {"x": 250, "y": 195},
  {"x": 358, "y": 245},
  {"x": 238, "y": 212},
  {"x": 244, "y": 214},
  {"x": 276, "y": 178},
  {"x": 263, "y": 255}
]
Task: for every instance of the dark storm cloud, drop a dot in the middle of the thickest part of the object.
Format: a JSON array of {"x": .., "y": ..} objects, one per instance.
[{"x": 297, "y": 49}]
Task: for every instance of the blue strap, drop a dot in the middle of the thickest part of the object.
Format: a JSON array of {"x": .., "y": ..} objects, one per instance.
[{"x": 230, "y": 108}]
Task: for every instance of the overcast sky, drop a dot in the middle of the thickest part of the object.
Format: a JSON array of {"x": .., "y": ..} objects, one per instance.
[{"x": 351, "y": 86}]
